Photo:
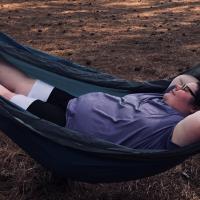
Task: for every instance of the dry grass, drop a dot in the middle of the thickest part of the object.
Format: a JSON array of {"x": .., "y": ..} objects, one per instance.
[{"x": 144, "y": 39}]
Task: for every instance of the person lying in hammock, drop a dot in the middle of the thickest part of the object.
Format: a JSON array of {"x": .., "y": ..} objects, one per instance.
[{"x": 144, "y": 120}]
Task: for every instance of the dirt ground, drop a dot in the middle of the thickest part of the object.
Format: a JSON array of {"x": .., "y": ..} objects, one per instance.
[{"x": 135, "y": 40}]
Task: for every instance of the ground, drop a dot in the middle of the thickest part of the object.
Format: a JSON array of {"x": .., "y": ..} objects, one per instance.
[{"x": 135, "y": 40}]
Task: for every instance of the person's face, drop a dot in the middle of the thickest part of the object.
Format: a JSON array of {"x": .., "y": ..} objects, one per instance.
[{"x": 181, "y": 98}]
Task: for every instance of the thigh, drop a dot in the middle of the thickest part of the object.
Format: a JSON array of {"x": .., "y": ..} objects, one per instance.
[
  {"x": 59, "y": 98},
  {"x": 48, "y": 111}
]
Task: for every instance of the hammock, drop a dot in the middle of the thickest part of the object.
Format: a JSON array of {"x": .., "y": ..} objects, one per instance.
[{"x": 67, "y": 153}]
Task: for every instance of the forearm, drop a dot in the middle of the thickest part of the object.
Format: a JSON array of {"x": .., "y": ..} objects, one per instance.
[{"x": 187, "y": 131}]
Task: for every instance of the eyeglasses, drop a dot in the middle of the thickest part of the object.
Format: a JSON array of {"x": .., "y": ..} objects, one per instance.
[{"x": 186, "y": 88}]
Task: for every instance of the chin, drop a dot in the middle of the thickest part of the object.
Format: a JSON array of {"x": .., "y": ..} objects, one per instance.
[{"x": 168, "y": 99}]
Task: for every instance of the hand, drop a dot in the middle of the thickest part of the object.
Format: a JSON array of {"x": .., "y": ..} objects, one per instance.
[{"x": 4, "y": 92}]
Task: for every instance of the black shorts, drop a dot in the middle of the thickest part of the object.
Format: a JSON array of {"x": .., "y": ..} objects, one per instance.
[{"x": 54, "y": 109}]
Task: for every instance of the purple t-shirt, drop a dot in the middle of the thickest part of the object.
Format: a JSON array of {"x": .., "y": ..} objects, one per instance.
[{"x": 140, "y": 121}]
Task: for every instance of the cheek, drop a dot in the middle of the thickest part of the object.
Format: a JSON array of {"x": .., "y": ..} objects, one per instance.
[{"x": 182, "y": 96}]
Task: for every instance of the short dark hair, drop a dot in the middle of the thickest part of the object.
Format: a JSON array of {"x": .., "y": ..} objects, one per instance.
[{"x": 196, "y": 101}]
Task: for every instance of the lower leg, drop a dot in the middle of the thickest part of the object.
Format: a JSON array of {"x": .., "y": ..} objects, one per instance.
[
  {"x": 15, "y": 80},
  {"x": 7, "y": 94},
  {"x": 37, "y": 107},
  {"x": 19, "y": 83}
]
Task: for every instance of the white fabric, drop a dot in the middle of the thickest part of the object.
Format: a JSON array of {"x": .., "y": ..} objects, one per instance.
[
  {"x": 40, "y": 90},
  {"x": 22, "y": 101}
]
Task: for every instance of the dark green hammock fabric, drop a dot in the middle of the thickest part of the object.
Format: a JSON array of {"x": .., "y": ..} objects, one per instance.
[{"x": 67, "y": 153}]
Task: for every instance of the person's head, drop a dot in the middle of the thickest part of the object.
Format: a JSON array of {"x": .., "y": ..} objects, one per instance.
[{"x": 184, "y": 98}]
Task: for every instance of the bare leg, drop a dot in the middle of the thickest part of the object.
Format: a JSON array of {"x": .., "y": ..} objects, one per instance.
[
  {"x": 4, "y": 92},
  {"x": 15, "y": 80}
]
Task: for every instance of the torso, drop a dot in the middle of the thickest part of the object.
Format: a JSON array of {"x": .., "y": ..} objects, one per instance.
[{"x": 142, "y": 121}]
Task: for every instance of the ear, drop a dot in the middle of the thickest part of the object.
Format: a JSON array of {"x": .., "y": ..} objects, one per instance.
[{"x": 194, "y": 109}]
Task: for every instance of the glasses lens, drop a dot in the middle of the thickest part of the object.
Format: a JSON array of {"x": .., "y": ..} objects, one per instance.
[{"x": 187, "y": 89}]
